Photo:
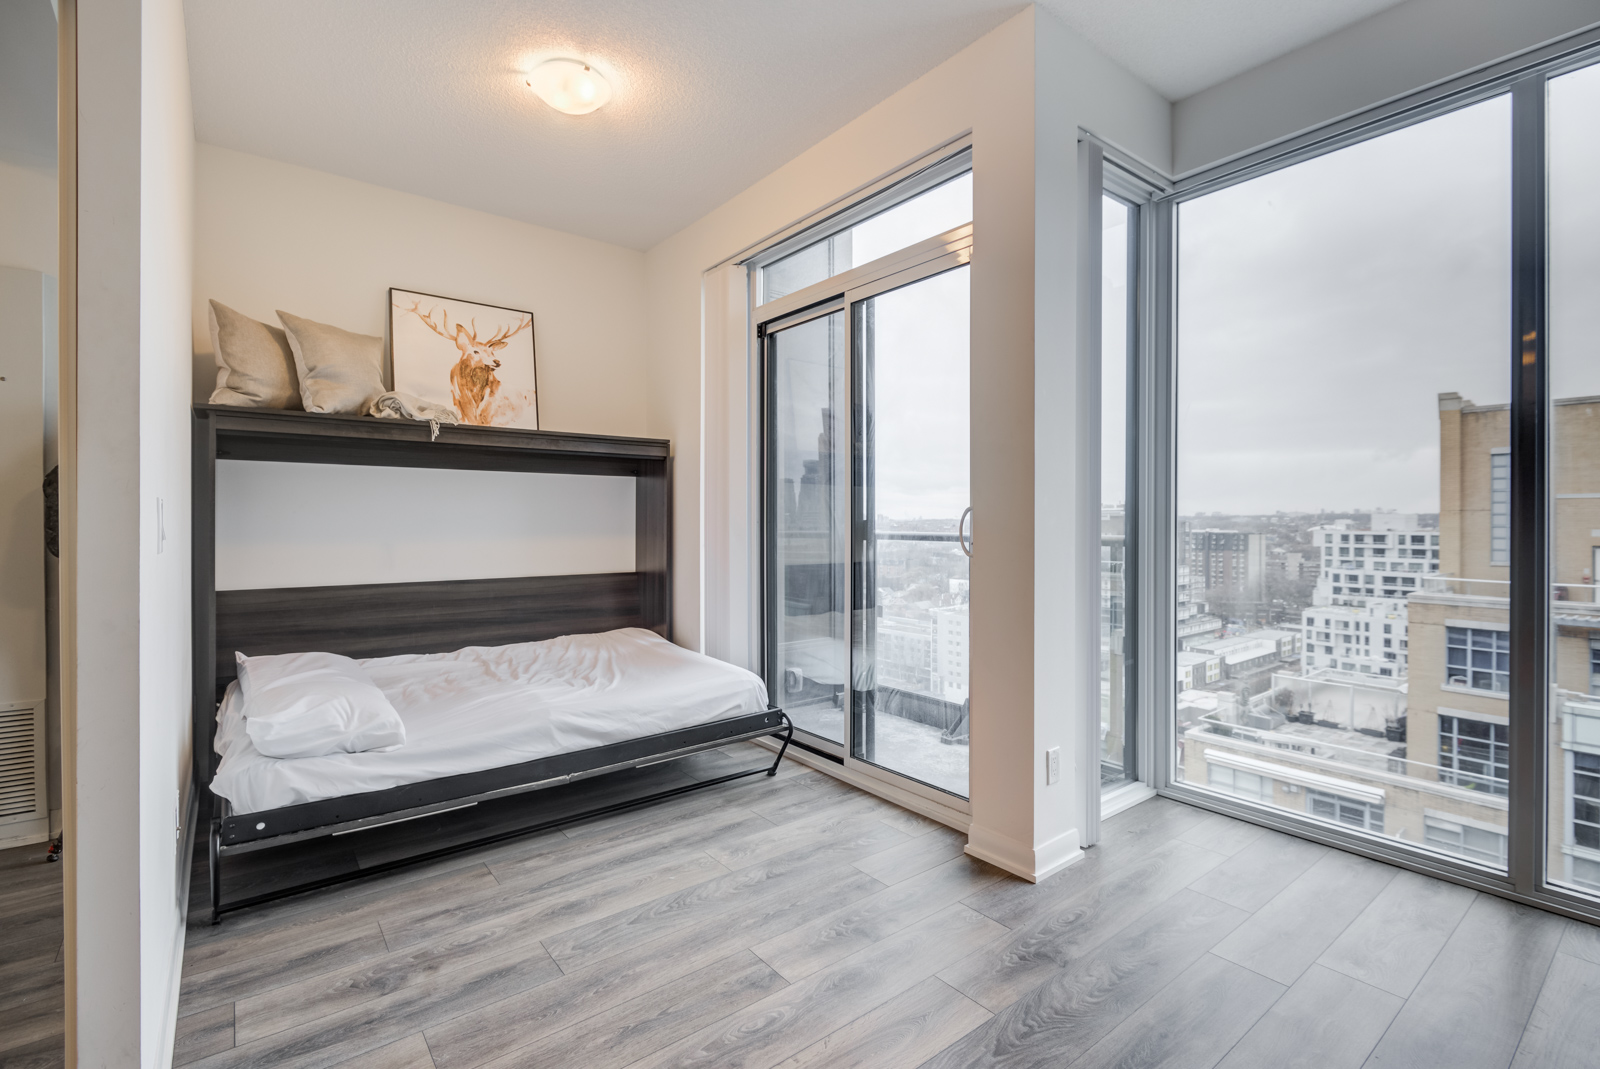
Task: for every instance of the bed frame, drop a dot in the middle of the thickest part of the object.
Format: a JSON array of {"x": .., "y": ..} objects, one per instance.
[{"x": 386, "y": 619}]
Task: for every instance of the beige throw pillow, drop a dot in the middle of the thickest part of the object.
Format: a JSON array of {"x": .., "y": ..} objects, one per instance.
[
  {"x": 255, "y": 366},
  {"x": 339, "y": 371}
]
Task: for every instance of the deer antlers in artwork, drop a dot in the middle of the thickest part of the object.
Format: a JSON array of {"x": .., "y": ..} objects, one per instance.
[
  {"x": 473, "y": 382},
  {"x": 461, "y": 336}
]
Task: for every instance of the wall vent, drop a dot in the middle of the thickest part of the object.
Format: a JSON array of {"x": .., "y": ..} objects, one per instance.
[{"x": 21, "y": 765}]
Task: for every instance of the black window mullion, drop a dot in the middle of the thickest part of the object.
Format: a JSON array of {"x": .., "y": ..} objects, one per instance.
[{"x": 1530, "y": 501}]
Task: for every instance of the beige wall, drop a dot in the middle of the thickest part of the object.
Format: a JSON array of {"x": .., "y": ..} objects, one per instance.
[
  {"x": 271, "y": 235},
  {"x": 1429, "y": 690},
  {"x": 27, "y": 218},
  {"x": 1468, "y": 435},
  {"x": 1022, "y": 91},
  {"x": 1575, "y": 470}
]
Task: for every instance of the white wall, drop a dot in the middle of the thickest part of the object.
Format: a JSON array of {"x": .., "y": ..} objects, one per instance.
[
  {"x": 166, "y": 283},
  {"x": 271, "y": 235},
  {"x": 27, "y": 218},
  {"x": 1023, "y": 91},
  {"x": 291, "y": 525},
  {"x": 130, "y": 653},
  {"x": 1394, "y": 52}
]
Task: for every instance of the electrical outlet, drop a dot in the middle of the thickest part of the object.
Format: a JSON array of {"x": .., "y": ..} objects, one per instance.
[{"x": 1052, "y": 764}]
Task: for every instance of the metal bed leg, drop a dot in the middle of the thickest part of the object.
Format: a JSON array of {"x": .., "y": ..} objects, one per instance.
[
  {"x": 216, "y": 871},
  {"x": 788, "y": 736},
  {"x": 217, "y": 907}
]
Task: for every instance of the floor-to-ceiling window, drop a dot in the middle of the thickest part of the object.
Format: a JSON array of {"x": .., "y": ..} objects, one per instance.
[
  {"x": 1117, "y": 731},
  {"x": 1384, "y": 507},
  {"x": 1342, "y": 385},
  {"x": 1572, "y": 853},
  {"x": 868, "y": 526}
]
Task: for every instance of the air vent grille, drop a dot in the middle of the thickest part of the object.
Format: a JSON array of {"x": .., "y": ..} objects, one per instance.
[{"x": 20, "y": 750}]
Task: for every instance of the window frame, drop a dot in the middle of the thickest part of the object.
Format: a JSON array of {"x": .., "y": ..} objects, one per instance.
[
  {"x": 1105, "y": 170},
  {"x": 1524, "y": 77}
]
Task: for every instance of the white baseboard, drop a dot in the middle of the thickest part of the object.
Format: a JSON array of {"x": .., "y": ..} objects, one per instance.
[
  {"x": 25, "y": 833},
  {"x": 1032, "y": 863},
  {"x": 169, "y": 1019}
]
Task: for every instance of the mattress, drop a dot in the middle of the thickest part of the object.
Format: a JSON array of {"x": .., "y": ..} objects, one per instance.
[{"x": 488, "y": 706}]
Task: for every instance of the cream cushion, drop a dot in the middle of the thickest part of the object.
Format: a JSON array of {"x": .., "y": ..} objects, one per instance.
[
  {"x": 339, "y": 371},
  {"x": 255, "y": 366}
]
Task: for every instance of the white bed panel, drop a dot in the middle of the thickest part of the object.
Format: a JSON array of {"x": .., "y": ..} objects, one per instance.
[
  {"x": 485, "y": 707},
  {"x": 290, "y": 525}
]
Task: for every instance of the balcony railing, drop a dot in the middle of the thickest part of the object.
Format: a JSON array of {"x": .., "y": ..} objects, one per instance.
[{"x": 1329, "y": 757}]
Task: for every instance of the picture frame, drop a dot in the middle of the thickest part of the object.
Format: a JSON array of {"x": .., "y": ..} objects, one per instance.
[{"x": 477, "y": 359}]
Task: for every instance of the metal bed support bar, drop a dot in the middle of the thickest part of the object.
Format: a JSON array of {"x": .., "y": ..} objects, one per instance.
[{"x": 218, "y": 849}]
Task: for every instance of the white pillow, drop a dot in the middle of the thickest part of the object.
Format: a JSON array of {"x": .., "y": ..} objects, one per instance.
[{"x": 314, "y": 704}]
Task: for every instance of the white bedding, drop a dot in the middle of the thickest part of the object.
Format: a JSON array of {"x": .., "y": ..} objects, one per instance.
[{"x": 488, "y": 706}]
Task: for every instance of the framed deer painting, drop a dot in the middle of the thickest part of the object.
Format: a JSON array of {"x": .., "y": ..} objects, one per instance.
[{"x": 474, "y": 358}]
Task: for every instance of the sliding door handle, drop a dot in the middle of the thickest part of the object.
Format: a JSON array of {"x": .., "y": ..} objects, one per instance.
[{"x": 961, "y": 531}]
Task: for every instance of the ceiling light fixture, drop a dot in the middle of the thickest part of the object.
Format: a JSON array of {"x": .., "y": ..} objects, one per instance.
[{"x": 570, "y": 86}]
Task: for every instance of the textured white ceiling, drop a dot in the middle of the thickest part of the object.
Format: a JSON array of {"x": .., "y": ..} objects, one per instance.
[{"x": 425, "y": 95}]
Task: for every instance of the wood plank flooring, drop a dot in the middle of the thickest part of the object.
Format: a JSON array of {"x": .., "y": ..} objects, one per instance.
[
  {"x": 31, "y": 1005},
  {"x": 798, "y": 923}
]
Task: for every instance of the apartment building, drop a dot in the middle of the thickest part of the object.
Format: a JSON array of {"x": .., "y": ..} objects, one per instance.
[
  {"x": 1229, "y": 567},
  {"x": 1357, "y": 619},
  {"x": 1421, "y": 752},
  {"x": 1460, "y": 624}
]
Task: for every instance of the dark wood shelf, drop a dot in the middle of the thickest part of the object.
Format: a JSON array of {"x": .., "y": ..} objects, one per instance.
[{"x": 311, "y": 438}]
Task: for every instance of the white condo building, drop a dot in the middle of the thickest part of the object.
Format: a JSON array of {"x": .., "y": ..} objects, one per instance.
[
  {"x": 950, "y": 653},
  {"x": 1357, "y": 619}
]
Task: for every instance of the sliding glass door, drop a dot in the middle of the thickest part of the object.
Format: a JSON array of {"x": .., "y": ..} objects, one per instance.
[
  {"x": 808, "y": 517},
  {"x": 912, "y": 498},
  {"x": 867, "y": 512}
]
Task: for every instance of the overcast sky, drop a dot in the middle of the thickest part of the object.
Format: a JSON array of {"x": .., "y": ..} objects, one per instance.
[
  {"x": 922, "y": 401},
  {"x": 1324, "y": 307}
]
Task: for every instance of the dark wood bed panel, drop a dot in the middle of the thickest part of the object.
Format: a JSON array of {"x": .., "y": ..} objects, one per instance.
[{"x": 381, "y": 620}]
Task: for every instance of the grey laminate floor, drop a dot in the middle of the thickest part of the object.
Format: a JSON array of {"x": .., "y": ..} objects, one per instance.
[
  {"x": 799, "y": 923},
  {"x": 30, "y": 960}
]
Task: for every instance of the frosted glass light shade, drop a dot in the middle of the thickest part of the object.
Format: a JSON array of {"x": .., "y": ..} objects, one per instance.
[{"x": 570, "y": 86}]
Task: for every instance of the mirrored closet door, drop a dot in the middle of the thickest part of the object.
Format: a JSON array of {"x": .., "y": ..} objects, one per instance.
[{"x": 32, "y": 972}]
